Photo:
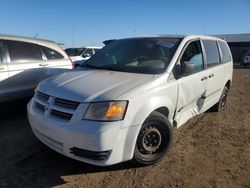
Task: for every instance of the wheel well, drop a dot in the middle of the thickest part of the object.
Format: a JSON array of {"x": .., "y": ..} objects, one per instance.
[
  {"x": 163, "y": 110},
  {"x": 228, "y": 84}
]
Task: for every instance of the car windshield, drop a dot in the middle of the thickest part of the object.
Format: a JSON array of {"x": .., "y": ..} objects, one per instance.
[
  {"x": 141, "y": 55},
  {"x": 74, "y": 51}
]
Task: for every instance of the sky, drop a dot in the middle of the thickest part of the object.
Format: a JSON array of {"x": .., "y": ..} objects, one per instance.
[{"x": 81, "y": 22}]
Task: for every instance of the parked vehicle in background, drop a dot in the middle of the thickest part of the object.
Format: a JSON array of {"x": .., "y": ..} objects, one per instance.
[
  {"x": 80, "y": 55},
  {"x": 127, "y": 98},
  {"x": 106, "y": 42},
  {"x": 246, "y": 59},
  {"x": 24, "y": 62}
]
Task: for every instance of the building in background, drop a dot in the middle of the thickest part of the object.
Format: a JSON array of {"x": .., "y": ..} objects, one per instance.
[{"x": 239, "y": 45}]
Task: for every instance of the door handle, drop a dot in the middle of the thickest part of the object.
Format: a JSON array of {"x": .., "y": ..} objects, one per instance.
[
  {"x": 204, "y": 78},
  {"x": 203, "y": 97},
  {"x": 1, "y": 68},
  {"x": 43, "y": 64},
  {"x": 211, "y": 75}
]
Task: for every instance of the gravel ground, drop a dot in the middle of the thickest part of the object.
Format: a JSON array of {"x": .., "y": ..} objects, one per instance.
[{"x": 211, "y": 150}]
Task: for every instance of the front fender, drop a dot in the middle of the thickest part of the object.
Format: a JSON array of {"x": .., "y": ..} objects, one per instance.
[{"x": 140, "y": 106}]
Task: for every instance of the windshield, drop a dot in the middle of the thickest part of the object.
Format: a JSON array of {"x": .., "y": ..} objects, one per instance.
[
  {"x": 141, "y": 55},
  {"x": 74, "y": 51}
]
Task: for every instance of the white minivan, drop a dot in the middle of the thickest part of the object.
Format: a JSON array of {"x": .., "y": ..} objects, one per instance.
[
  {"x": 24, "y": 62},
  {"x": 125, "y": 101}
]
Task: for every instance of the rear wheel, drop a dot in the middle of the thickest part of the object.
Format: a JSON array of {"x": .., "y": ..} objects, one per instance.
[
  {"x": 223, "y": 99},
  {"x": 154, "y": 139}
]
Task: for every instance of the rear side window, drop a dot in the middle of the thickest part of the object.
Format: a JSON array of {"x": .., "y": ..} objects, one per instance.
[
  {"x": 51, "y": 54},
  {"x": 212, "y": 53},
  {"x": 70, "y": 52},
  {"x": 225, "y": 54},
  {"x": 23, "y": 51}
]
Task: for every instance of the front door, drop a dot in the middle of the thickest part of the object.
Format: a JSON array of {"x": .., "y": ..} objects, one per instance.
[{"x": 192, "y": 83}]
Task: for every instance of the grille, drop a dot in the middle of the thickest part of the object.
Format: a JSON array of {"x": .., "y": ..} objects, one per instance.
[
  {"x": 62, "y": 115},
  {"x": 42, "y": 96},
  {"x": 66, "y": 103},
  {"x": 59, "y": 108},
  {"x": 40, "y": 106}
]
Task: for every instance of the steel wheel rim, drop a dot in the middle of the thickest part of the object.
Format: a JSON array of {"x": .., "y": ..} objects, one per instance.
[
  {"x": 158, "y": 141},
  {"x": 151, "y": 139},
  {"x": 224, "y": 99}
]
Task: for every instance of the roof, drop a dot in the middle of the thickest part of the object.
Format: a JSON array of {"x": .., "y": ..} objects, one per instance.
[
  {"x": 23, "y": 37},
  {"x": 42, "y": 42},
  {"x": 243, "y": 37},
  {"x": 154, "y": 36},
  {"x": 172, "y": 36}
]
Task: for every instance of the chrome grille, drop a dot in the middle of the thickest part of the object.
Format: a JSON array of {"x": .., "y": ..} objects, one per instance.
[
  {"x": 42, "y": 96},
  {"x": 40, "y": 106},
  {"x": 62, "y": 115},
  {"x": 66, "y": 103},
  {"x": 56, "y": 107}
]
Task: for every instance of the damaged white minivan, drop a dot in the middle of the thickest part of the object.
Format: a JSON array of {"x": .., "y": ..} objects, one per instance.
[{"x": 126, "y": 99}]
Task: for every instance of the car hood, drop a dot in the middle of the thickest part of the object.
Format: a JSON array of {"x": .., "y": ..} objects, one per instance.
[{"x": 92, "y": 85}]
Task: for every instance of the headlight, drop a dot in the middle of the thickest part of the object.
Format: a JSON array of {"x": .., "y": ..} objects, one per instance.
[{"x": 106, "y": 111}]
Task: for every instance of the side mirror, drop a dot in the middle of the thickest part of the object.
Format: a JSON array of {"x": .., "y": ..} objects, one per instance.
[{"x": 187, "y": 68}]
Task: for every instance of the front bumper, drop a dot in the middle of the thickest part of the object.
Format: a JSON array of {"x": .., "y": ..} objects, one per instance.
[{"x": 93, "y": 142}]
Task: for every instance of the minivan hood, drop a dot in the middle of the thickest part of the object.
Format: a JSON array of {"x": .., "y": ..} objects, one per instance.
[{"x": 92, "y": 85}]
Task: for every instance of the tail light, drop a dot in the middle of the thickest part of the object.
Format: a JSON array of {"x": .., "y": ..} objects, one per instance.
[{"x": 72, "y": 63}]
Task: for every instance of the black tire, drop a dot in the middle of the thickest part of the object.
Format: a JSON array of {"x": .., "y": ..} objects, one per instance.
[
  {"x": 222, "y": 102},
  {"x": 154, "y": 140}
]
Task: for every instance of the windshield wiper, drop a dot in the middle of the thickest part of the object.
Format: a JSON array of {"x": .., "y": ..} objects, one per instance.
[
  {"x": 101, "y": 67},
  {"x": 109, "y": 68},
  {"x": 89, "y": 66}
]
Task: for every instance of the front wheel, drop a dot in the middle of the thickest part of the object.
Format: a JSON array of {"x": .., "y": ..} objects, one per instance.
[{"x": 154, "y": 139}]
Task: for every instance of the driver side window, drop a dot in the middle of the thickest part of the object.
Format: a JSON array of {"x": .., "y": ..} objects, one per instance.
[{"x": 192, "y": 59}]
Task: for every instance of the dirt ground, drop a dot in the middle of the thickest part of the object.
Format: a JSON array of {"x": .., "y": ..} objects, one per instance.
[{"x": 211, "y": 150}]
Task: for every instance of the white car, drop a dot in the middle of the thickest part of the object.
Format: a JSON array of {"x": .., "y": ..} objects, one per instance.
[
  {"x": 246, "y": 60},
  {"x": 24, "y": 62},
  {"x": 80, "y": 55},
  {"x": 126, "y": 100}
]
